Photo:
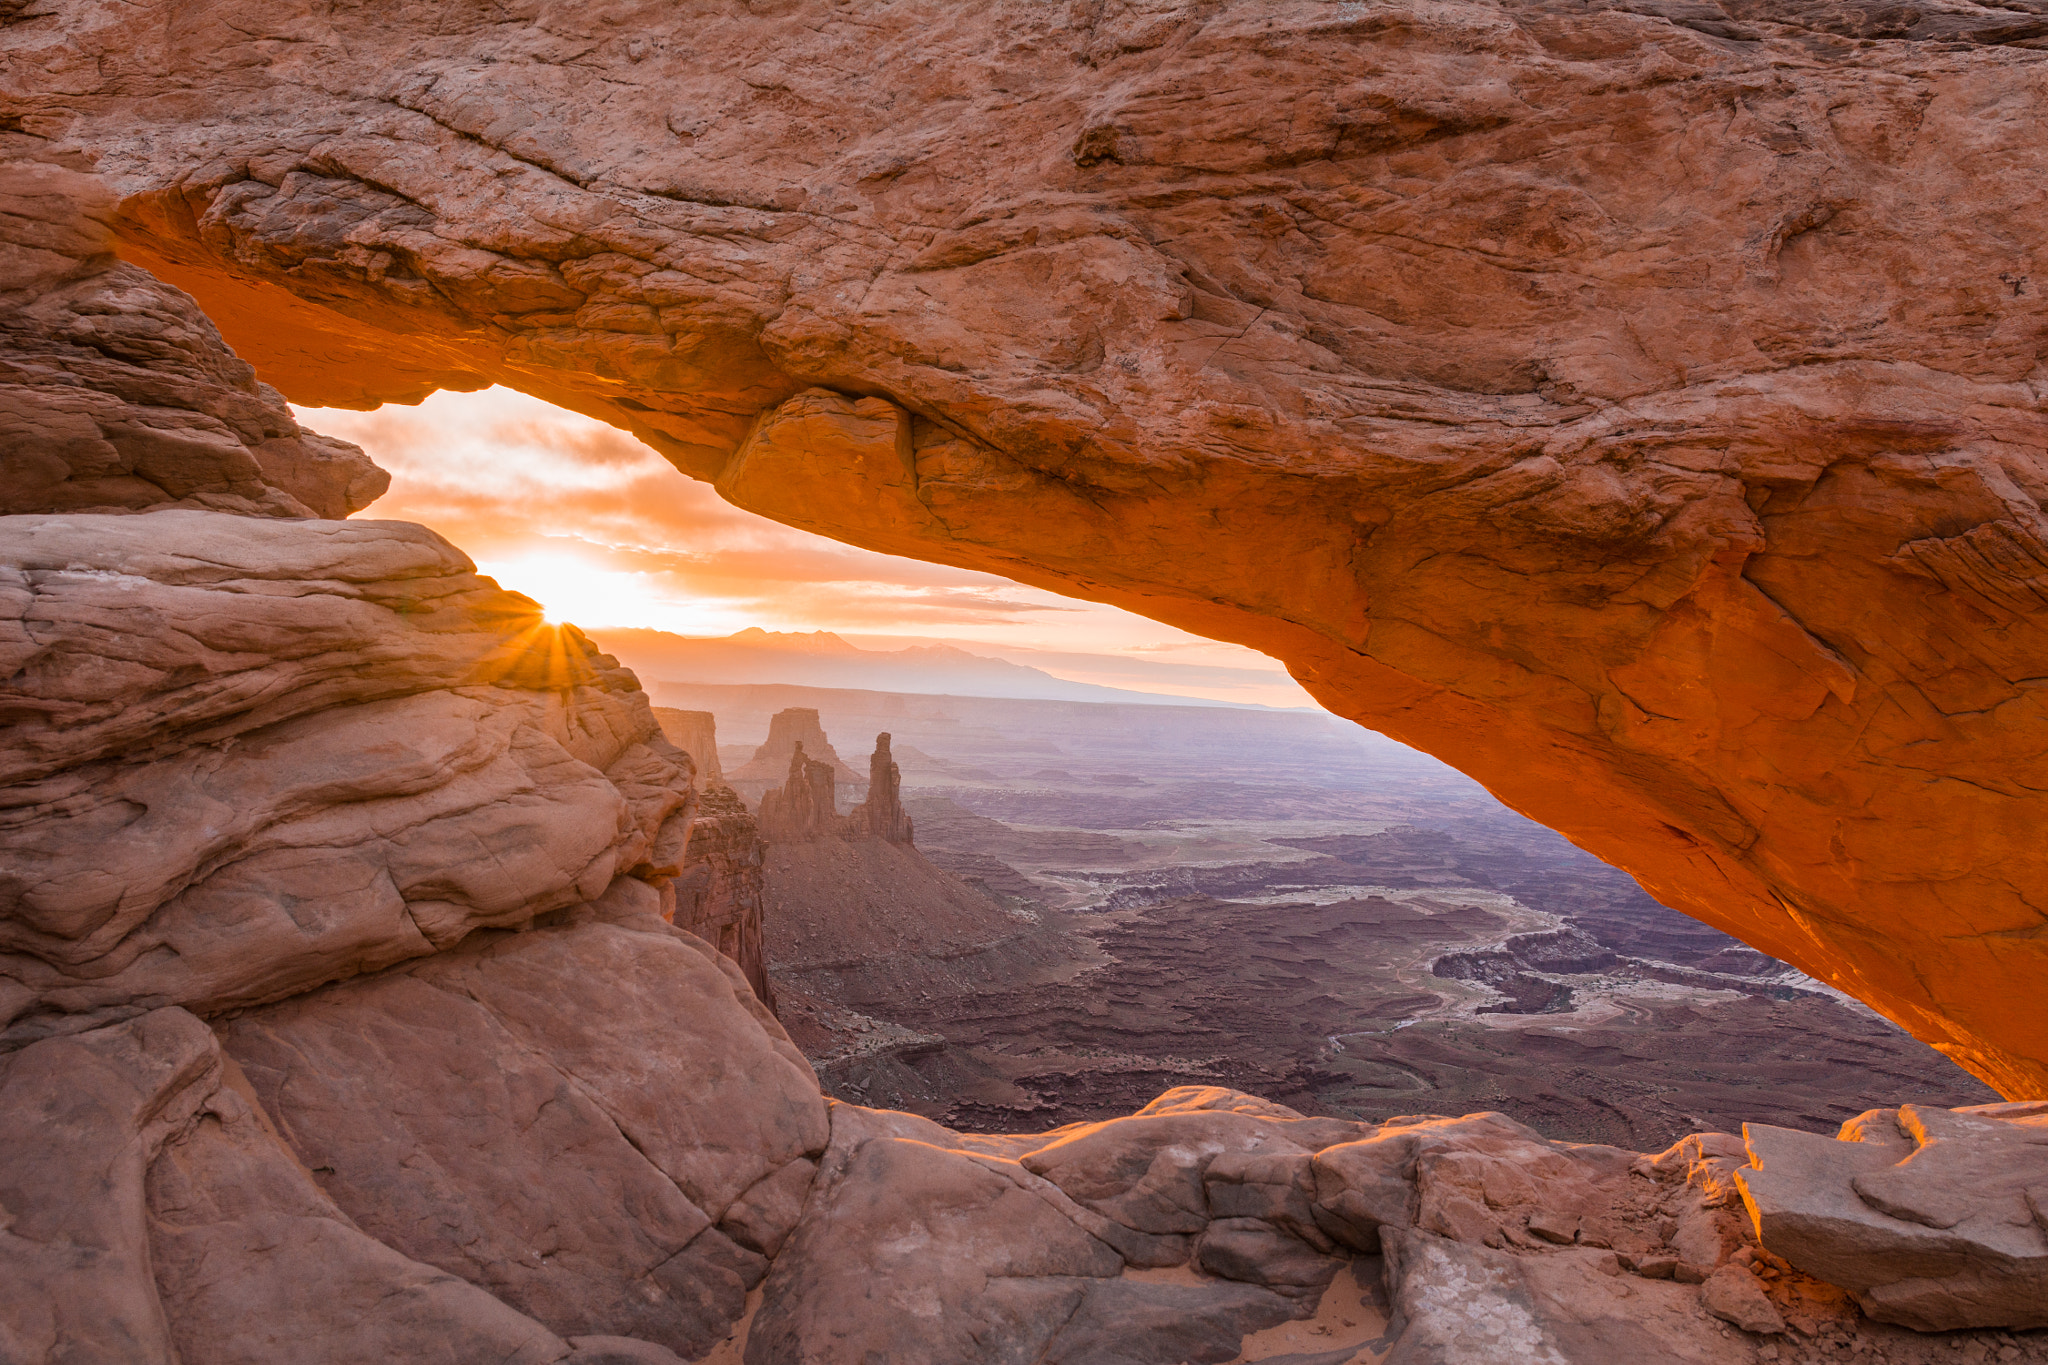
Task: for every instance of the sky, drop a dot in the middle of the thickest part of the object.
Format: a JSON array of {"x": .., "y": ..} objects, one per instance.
[{"x": 601, "y": 531}]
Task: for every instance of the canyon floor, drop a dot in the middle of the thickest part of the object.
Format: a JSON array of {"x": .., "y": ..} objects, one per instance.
[{"x": 1286, "y": 904}]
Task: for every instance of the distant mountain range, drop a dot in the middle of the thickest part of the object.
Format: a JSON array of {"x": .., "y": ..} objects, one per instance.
[{"x": 822, "y": 659}]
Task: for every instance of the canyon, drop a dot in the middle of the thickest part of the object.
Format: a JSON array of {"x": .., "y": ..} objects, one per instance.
[
  {"x": 1156, "y": 896},
  {"x": 382, "y": 976}
]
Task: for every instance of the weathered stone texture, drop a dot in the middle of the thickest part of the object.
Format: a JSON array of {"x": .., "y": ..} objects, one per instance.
[
  {"x": 116, "y": 392},
  {"x": 249, "y": 755},
  {"x": 696, "y": 734},
  {"x": 1934, "y": 1218},
  {"x": 720, "y": 891},
  {"x": 620, "y": 1126},
  {"x": 1640, "y": 410},
  {"x": 154, "y": 1217}
]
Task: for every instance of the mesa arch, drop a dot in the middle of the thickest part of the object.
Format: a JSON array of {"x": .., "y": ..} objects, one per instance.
[{"x": 1642, "y": 414}]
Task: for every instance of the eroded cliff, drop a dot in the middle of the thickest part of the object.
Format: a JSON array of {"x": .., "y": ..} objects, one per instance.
[{"x": 1639, "y": 410}]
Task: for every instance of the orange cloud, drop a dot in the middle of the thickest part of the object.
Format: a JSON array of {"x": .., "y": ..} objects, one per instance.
[{"x": 603, "y": 532}]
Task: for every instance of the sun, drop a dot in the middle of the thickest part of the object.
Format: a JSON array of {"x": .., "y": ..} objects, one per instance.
[
  {"x": 571, "y": 590},
  {"x": 574, "y": 590}
]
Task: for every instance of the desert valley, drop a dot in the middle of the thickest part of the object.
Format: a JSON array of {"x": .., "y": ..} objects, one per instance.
[
  {"x": 1145, "y": 896},
  {"x": 1625, "y": 423}
]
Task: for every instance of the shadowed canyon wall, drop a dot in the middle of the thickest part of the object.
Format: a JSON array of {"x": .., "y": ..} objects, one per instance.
[{"x": 1641, "y": 413}]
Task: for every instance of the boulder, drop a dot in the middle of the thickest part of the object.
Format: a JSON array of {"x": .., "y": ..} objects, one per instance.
[
  {"x": 925, "y": 1247},
  {"x": 915, "y": 1253},
  {"x": 1151, "y": 1173},
  {"x": 1932, "y": 1217},
  {"x": 1474, "y": 1180},
  {"x": 1732, "y": 1295}
]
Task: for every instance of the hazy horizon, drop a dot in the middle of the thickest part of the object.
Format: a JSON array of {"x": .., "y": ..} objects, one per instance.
[{"x": 604, "y": 533}]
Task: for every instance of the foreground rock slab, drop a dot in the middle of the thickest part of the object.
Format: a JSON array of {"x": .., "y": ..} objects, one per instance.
[
  {"x": 612, "y": 1155},
  {"x": 156, "y": 1218},
  {"x": 1933, "y": 1218}
]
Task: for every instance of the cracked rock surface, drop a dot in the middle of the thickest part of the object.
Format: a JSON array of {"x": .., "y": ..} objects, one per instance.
[{"x": 1934, "y": 1218}]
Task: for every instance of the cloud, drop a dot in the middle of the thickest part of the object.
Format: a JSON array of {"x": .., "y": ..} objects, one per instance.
[{"x": 604, "y": 532}]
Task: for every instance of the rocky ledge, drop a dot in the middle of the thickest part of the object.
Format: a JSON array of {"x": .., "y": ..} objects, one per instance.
[{"x": 474, "y": 1157}]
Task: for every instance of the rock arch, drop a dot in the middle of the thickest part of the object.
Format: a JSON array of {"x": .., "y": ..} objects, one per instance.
[{"x": 1642, "y": 415}]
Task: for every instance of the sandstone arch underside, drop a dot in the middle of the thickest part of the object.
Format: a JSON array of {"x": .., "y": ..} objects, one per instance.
[{"x": 1639, "y": 408}]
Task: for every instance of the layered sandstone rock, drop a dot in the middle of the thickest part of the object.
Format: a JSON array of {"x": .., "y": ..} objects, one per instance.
[
  {"x": 1637, "y": 407},
  {"x": 116, "y": 391},
  {"x": 499, "y": 1108},
  {"x": 344, "y": 1021},
  {"x": 802, "y": 808},
  {"x": 1166, "y": 1235},
  {"x": 718, "y": 887},
  {"x": 858, "y": 918},
  {"x": 635, "y": 1150},
  {"x": 720, "y": 893},
  {"x": 154, "y": 1217},
  {"x": 246, "y": 756}
]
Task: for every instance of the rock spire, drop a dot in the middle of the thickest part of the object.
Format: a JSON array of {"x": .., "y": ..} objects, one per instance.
[{"x": 881, "y": 816}]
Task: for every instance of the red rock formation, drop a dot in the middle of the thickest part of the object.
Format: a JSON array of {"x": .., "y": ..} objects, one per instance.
[
  {"x": 881, "y": 815},
  {"x": 248, "y": 755},
  {"x": 526, "y": 1120},
  {"x": 696, "y": 734},
  {"x": 719, "y": 892},
  {"x": 614, "y": 1209},
  {"x": 116, "y": 392},
  {"x": 465, "y": 1095},
  {"x": 245, "y": 754},
  {"x": 1935, "y": 1218},
  {"x": 794, "y": 728},
  {"x": 801, "y": 808},
  {"x": 1639, "y": 412}
]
